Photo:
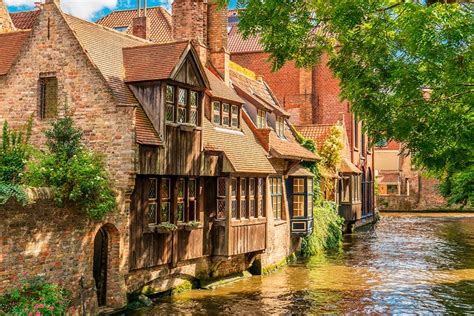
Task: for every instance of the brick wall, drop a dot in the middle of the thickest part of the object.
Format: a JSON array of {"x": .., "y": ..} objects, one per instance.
[{"x": 57, "y": 244}]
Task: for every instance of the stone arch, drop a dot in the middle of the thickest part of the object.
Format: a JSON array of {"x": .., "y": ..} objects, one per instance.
[{"x": 107, "y": 242}]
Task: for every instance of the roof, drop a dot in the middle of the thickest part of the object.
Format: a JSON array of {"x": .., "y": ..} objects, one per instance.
[
  {"x": 220, "y": 90},
  {"x": 10, "y": 46},
  {"x": 300, "y": 171},
  {"x": 251, "y": 87},
  {"x": 348, "y": 167},
  {"x": 141, "y": 64},
  {"x": 237, "y": 43},
  {"x": 25, "y": 20},
  {"x": 104, "y": 47},
  {"x": 161, "y": 30},
  {"x": 316, "y": 132},
  {"x": 255, "y": 91},
  {"x": 241, "y": 148},
  {"x": 389, "y": 178},
  {"x": 145, "y": 132}
]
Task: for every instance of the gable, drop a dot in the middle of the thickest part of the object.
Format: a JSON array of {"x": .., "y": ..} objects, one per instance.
[{"x": 188, "y": 73}]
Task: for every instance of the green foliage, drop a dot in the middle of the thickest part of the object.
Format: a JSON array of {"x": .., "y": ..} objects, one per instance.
[
  {"x": 331, "y": 149},
  {"x": 459, "y": 186},
  {"x": 74, "y": 173},
  {"x": 14, "y": 153},
  {"x": 327, "y": 232},
  {"x": 35, "y": 297},
  {"x": 311, "y": 166},
  {"x": 406, "y": 68}
]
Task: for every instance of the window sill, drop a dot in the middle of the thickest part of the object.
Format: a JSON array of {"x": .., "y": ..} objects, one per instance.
[
  {"x": 279, "y": 222},
  {"x": 186, "y": 127}
]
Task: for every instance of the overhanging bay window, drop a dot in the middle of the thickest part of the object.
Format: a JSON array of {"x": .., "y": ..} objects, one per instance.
[
  {"x": 246, "y": 196},
  {"x": 300, "y": 200},
  {"x": 226, "y": 114},
  {"x": 182, "y": 105}
]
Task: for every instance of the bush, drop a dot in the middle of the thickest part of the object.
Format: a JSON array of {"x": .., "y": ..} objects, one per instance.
[
  {"x": 74, "y": 173},
  {"x": 327, "y": 232},
  {"x": 35, "y": 297},
  {"x": 14, "y": 154}
]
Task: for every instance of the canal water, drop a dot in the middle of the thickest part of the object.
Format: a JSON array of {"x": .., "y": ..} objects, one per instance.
[{"x": 409, "y": 263}]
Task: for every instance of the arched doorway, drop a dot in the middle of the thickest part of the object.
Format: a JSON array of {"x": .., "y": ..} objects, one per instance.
[{"x": 101, "y": 249}]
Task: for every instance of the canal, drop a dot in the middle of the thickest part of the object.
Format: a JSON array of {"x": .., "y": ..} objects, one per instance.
[{"x": 410, "y": 263}]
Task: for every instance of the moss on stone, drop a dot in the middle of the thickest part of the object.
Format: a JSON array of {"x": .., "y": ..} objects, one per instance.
[
  {"x": 274, "y": 267},
  {"x": 185, "y": 286}
]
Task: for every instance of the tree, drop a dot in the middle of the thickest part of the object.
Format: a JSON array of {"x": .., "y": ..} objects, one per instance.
[{"x": 405, "y": 66}]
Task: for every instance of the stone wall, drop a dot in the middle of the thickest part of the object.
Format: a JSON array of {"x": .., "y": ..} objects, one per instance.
[{"x": 57, "y": 244}]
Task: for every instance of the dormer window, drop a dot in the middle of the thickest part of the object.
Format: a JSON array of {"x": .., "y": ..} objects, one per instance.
[
  {"x": 261, "y": 119},
  {"x": 280, "y": 126},
  {"x": 225, "y": 114},
  {"x": 182, "y": 105}
]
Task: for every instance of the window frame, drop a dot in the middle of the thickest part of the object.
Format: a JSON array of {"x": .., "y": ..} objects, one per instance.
[
  {"x": 226, "y": 118},
  {"x": 280, "y": 126},
  {"x": 44, "y": 108},
  {"x": 276, "y": 196},
  {"x": 261, "y": 119},
  {"x": 174, "y": 106}
]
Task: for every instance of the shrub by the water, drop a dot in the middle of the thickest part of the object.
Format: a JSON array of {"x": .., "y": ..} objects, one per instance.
[
  {"x": 35, "y": 297},
  {"x": 327, "y": 231}
]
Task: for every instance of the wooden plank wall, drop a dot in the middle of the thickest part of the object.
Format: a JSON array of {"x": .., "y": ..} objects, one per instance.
[
  {"x": 181, "y": 154},
  {"x": 146, "y": 249},
  {"x": 247, "y": 238}
]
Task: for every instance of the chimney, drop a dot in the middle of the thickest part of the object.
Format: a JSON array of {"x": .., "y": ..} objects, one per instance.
[
  {"x": 217, "y": 39},
  {"x": 6, "y": 24},
  {"x": 141, "y": 27},
  {"x": 190, "y": 23}
]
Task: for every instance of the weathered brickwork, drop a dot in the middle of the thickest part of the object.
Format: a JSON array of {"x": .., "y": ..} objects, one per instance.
[{"x": 57, "y": 244}]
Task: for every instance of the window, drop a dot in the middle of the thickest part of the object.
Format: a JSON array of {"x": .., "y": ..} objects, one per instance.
[
  {"x": 170, "y": 95},
  {"x": 261, "y": 119},
  {"x": 310, "y": 194},
  {"x": 160, "y": 198},
  {"x": 345, "y": 187},
  {"x": 243, "y": 198},
  {"x": 216, "y": 110},
  {"x": 182, "y": 105},
  {"x": 165, "y": 193},
  {"x": 356, "y": 188},
  {"x": 233, "y": 197},
  {"x": 280, "y": 126},
  {"x": 48, "y": 97},
  {"x": 235, "y": 117},
  {"x": 180, "y": 201},
  {"x": 152, "y": 207},
  {"x": 226, "y": 114},
  {"x": 276, "y": 196},
  {"x": 121, "y": 28},
  {"x": 252, "y": 193},
  {"x": 221, "y": 197},
  {"x": 260, "y": 197},
  {"x": 392, "y": 189},
  {"x": 298, "y": 197}
]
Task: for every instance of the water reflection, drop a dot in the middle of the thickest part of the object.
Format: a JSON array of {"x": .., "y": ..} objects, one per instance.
[{"x": 408, "y": 264}]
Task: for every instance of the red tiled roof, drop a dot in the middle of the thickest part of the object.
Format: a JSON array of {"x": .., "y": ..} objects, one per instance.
[
  {"x": 10, "y": 46},
  {"x": 25, "y": 20},
  {"x": 152, "y": 62},
  {"x": 220, "y": 90},
  {"x": 318, "y": 133},
  {"x": 145, "y": 132},
  {"x": 237, "y": 44},
  {"x": 389, "y": 178},
  {"x": 160, "y": 22}
]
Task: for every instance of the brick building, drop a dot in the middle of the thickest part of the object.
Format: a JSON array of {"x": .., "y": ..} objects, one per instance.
[
  {"x": 180, "y": 145},
  {"x": 401, "y": 185}
]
